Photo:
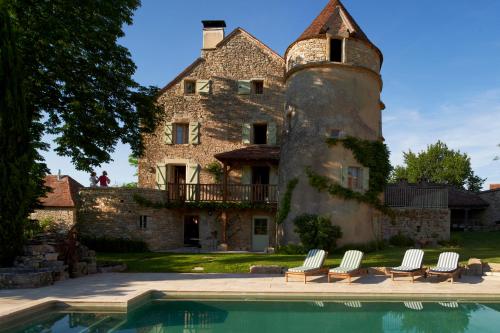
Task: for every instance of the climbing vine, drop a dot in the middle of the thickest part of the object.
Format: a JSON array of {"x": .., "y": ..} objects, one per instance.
[
  {"x": 284, "y": 209},
  {"x": 144, "y": 202},
  {"x": 371, "y": 154}
]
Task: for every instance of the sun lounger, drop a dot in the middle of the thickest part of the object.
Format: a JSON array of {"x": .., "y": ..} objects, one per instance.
[
  {"x": 447, "y": 266},
  {"x": 313, "y": 265},
  {"x": 411, "y": 265},
  {"x": 349, "y": 267},
  {"x": 413, "y": 305}
]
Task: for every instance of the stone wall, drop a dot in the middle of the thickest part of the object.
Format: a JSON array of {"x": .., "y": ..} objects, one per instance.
[
  {"x": 491, "y": 215},
  {"x": 62, "y": 218},
  {"x": 426, "y": 226},
  {"x": 223, "y": 111},
  {"x": 315, "y": 50},
  {"x": 113, "y": 213}
]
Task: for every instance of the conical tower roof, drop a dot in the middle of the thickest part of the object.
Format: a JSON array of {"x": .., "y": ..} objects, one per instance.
[{"x": 335, "y": 20}]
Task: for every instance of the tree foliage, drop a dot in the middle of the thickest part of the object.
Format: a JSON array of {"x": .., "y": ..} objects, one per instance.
[
  {"x": 19, "y": 176},
  {"x": 78, "y": 78},
  {"x": 438, "y": 164}
]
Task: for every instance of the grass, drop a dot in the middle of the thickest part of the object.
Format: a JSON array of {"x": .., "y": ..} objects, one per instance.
[{"x": 485, "y": 246}]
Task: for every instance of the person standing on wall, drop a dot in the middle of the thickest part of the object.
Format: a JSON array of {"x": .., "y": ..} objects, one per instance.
[
  {"x": 93, "y": 179},
  {"x": 104, "y": 180}
]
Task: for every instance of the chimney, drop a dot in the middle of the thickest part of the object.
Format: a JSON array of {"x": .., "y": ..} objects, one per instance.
[{"x": 213, "y": 33}]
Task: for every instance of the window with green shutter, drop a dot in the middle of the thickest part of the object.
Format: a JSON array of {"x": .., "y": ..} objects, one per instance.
[
  {"x": 244, "y": 87},
  {"x": 246, "y": 133},
  {"x": 161, "y": 177},
  {"x": 272, "y": 134}
]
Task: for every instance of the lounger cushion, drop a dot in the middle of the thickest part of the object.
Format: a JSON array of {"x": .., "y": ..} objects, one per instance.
[
  {"x": 447, "y": 263},
  {"x": 302, "y": 269},
  {"x": 314, "y": 261},
  {"x": 340, "y": 270},
  {"x": 412, "y": 261}
]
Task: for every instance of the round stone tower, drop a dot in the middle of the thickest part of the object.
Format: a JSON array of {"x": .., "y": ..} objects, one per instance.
[{"x": 333, "y": 91}]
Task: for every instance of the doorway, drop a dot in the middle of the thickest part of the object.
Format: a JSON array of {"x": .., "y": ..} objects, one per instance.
[
  {"x": 179, "y": 181},
  {"x": 260, "y": 234},
  {"x": 192, "y": 231},
  {"x": 260, "y": 182}
]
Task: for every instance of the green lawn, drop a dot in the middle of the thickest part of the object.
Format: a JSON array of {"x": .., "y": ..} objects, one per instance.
[{"x": 481, "y": 245}]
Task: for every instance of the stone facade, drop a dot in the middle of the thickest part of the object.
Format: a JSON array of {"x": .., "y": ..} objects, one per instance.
[
  {"x": 113, "y": 213},
  {"x": 491, "y": 215},
  {"x": 426, "y": 226},
  {"x": 222, "y": 113},
  {"x": 60, "y": 217}
]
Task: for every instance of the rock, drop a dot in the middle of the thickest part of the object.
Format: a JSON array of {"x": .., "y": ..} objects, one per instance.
[
  {"x": 270, "y": 250},
  {"x": 92, "y": 268},
  {"x": 475, "y": 267},
  {"x": 491, "y": 267},
  {"x": 79, "y": 269},
  {"x": 260, "y": 269},
  {"x": 222, "y": 247},
  {"x": 15, "y": 278},
  {"x": 51, "y": 256},
  {"x": 111, "y": 268}
]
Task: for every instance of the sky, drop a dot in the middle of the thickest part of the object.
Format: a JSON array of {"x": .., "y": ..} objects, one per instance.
[{"x": 441, "y": 68}]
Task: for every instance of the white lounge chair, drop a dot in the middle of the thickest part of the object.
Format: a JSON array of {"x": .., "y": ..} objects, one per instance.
[
  {"x": 349, "y": 267},
  {"x": 447, "y": 266},
  {"x": 411, "y": 265},
  {"x": 413, "y": 305},
  {"x": 313, "y": 265}
]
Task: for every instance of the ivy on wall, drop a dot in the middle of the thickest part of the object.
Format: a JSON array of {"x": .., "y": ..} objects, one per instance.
[
  {"x": 284, "y": 209},
  {"x": 371, "y": 154},
  {"x": 144, "y": 202}
]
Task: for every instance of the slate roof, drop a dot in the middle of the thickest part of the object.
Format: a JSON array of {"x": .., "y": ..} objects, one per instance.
[
  {"x": 64, "y": 192},
  {"x": 252, "y": 153}
]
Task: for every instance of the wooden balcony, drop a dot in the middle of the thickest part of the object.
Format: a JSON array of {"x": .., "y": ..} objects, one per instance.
[{"x": 255, "y": 193}]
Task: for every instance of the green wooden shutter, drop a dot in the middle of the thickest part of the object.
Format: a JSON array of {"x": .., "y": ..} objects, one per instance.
[
  {"x": 203, "y": 86},
  {"x": 246, "y": 175},
  {"x": 247, "y": 130},
  {"x": 169, "y": 133},
  {"x": 366, "y": 179},
  {"x": 345, "y": 176},
  {"x": 161, "y": 177},
  {"x": 273, "y": 176},
  {"x": 271, "y": 134},
  {"x": 244, "y": 87},
  {"x": 194, "y": 133},
  {"x": 193, "y": 178}
]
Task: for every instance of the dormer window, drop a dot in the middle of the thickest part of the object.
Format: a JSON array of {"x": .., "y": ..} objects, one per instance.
[
  {"x": 336, "y": 50},
  {"x": 189, "y": 87}
]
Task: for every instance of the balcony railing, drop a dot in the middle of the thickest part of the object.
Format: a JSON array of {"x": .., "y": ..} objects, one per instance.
[{"x": 256, "y": 193}]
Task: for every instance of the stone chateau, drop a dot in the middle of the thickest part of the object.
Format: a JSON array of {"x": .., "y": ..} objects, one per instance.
[{"x": 239, "y": 124}]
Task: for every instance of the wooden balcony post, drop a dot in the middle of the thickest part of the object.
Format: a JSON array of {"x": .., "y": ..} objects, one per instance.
[{"x": 224, "y": 182}]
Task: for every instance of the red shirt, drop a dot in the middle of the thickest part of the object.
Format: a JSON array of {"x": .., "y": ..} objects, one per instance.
[{"x": 104, "y": 181}]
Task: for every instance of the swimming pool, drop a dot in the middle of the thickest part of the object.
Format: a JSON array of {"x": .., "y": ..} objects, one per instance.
[{"x": 185, "y": 316}]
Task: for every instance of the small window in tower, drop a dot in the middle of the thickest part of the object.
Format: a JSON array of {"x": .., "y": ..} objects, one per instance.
[
  {"x": 336, "y": 50},
  {"x": 260, "y": 134},
  {"x": 258, "y": 87}
]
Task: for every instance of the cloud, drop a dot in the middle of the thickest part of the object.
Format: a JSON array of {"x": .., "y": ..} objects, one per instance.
[{"x": 471, "y": 125}]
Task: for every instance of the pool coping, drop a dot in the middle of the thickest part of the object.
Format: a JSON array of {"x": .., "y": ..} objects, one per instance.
[{"x": 37, "y": 308}]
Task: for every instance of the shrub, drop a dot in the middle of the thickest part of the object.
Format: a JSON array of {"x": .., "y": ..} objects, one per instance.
[
  {"x": 291, "y": 249},
  {"x": 317, "y": 232},
  {"x": 401, "y": 240},
  {"x": 114, "y": 245}
]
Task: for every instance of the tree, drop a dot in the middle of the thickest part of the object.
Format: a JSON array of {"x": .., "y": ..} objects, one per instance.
[
  {"x": 20, "y": 177},
  {"x": 78, "y": 86},
  {"x": 79, "y": 79},
  {"x": 439, "y": 164}
]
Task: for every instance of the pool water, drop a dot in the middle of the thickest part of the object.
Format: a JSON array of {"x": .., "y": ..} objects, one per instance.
[{"x": 280, "y": 316}]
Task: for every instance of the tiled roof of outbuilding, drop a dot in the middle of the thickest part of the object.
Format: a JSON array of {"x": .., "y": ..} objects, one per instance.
[{"x": 64, "y": 191}]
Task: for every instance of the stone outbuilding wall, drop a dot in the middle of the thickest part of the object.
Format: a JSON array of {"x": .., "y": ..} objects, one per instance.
[
  {"x": 61, "y": 217},
  {"x": 113, "y": 213},
  {"x": 426, "y": 226},
  {"x": 491, "y": 215}
]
